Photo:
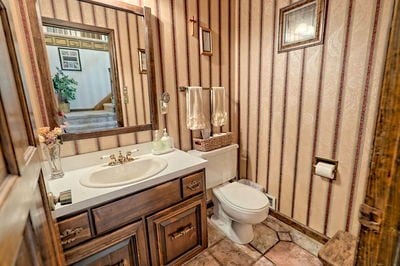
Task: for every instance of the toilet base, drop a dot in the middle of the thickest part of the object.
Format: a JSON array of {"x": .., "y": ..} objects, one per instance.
[{"x": 237, "y": 232}]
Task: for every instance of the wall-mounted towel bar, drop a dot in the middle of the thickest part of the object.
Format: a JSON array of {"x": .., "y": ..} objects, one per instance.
[{"x": 184, "y": 88}]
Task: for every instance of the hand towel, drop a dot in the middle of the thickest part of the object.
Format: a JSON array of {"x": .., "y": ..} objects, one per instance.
[
  {"x": 195, "y": 118},
  {"x": 218, "y": 116}
]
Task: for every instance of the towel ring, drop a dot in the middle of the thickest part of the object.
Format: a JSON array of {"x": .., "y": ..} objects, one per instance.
[{"x": 165, "y": 97}]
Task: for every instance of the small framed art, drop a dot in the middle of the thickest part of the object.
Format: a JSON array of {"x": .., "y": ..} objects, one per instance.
[
  {"x": 301, "y": 25},
  {"x": 70, "y": 59},
  {"x": 205, "y": 41}
]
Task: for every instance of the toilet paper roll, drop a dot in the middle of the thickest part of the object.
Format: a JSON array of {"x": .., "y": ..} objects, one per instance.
[{"x": 325, "y": 170}]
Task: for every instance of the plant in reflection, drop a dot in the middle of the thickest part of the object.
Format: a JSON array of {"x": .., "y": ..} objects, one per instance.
[{"x": 65, "y": 88}]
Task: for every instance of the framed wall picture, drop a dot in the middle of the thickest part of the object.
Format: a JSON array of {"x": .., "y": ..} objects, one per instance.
[
  {"x": 142, "y": 61},
  {"x": 205, "y": 41},
  {"x": 301, "y": 24},
  {"x": 70, "y": 59}
]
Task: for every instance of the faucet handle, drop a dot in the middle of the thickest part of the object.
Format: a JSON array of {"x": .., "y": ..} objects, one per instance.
[
  {"x": 128, "y": 155},
  {"x": 111, "y": 157},
  {"x": 108, "y": 156},
  {"x": 113, "y": 161}
]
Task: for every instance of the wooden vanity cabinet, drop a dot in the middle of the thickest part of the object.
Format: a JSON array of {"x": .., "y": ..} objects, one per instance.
[
  {"x": 164, "y": 224},
  {"x": 177, "y": 233}
]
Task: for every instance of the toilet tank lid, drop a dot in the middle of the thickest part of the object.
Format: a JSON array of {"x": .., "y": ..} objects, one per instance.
[
  {"x": 244, "y": 196},
  {"x": 207, "y": 154}
]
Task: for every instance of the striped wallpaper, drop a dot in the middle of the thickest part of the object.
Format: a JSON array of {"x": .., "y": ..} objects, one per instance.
[
  {"x": 285, "y": 108},
  {"x": 318, "y": 101}
]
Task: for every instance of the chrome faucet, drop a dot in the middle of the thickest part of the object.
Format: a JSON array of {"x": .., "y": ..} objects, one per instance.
[{"x": 120, "y": 159}]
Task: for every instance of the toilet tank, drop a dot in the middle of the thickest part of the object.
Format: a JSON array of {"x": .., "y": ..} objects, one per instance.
[{"x": 222, "y": 164}]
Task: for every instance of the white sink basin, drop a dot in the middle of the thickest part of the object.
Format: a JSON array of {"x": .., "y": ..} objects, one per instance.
[{"x": 112, "y": 176}]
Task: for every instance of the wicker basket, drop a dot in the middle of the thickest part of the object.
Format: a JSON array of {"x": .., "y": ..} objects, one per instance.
[{"x": 213, "y": 143}]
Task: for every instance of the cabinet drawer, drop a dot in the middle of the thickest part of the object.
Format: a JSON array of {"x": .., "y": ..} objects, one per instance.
[
  {"x": 178, "y": 233},
  {"x": 193, "y": 184},
  {"x": 122, "y": 211},
  {"x": 74, "y": 230}
]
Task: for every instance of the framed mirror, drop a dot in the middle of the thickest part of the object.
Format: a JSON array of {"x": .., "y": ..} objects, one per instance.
[{"x": 95, "y": 81}]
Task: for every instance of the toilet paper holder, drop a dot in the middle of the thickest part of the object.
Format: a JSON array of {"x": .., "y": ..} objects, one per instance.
[{"x": 328, "y": 161}]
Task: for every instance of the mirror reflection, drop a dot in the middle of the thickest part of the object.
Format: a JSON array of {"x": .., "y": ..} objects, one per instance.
[
  {"x": 98, "y": 68},
  {"x": 80, "y": 68}
]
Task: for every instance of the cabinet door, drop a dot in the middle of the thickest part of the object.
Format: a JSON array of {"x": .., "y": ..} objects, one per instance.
[
  {"x": 126, "y": 246},
  {"x": 178, "y": 233}
]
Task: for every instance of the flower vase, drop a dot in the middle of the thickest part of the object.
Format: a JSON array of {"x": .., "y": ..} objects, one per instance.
[{"x": 54, "y": 160}]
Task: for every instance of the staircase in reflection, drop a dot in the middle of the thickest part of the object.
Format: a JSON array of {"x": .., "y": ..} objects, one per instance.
[{"x": 88, "y": 121}]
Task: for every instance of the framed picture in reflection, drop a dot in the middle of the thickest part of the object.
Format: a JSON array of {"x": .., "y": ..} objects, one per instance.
[
  {"x": 70, "y": 59},
  {"x": 301, "y": 24},
  {"x": 205, "y": 41},
  {"x": 142, "y": 61}
]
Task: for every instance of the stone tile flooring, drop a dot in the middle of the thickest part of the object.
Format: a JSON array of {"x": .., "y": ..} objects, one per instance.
[{"x": 272, "y": 245}]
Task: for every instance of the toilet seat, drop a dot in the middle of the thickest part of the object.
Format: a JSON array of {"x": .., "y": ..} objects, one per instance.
[{"x": 243, "y": 197}]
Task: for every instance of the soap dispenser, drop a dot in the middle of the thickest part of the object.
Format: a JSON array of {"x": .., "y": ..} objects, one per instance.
[
  {"x": 157, "y": 144},
  {"x": 162, "y": 143},
  {"x": 166, "y": 141}
]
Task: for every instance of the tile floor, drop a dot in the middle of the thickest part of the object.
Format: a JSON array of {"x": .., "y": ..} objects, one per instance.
[{"x": 273, "y": 244}]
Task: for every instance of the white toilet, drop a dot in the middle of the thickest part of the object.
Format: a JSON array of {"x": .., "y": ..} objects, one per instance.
[{"x": 236, "y": 206}]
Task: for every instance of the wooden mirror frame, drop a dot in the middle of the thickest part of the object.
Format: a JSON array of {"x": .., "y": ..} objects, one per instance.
[{"x": 45, "y": 75}]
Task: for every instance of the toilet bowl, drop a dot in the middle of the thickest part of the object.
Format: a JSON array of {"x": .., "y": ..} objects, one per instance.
[{"x": 237, "y": 207}]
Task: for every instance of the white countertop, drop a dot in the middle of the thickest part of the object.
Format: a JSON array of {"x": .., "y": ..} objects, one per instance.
[{"x": 179, "y": 163}]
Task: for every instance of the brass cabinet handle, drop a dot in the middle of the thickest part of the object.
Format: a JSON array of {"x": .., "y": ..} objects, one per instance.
[
  {"x": 68, "y": 241},
  {"x": 69, "y": 235},
  {"x": 182, "y": 232},
  {"x": 194, "y": 185},
  {"x": 71, "y": 232}
]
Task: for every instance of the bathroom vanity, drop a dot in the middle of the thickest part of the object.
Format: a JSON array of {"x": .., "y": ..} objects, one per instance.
[{"x": 159, "y": 220}]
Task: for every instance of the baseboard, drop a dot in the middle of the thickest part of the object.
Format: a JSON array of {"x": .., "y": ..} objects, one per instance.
[{"x": 299, "y": 227}]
